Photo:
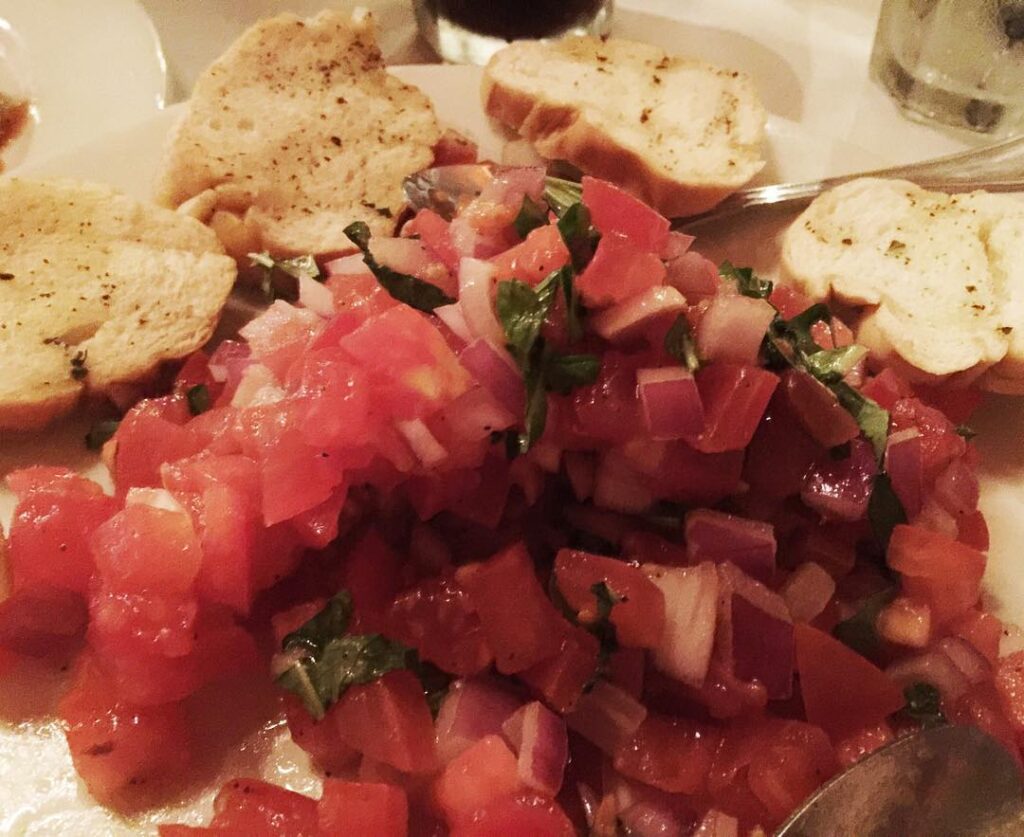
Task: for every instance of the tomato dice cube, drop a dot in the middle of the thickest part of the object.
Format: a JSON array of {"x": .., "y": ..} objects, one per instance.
[{"x": 355, "y": 809}]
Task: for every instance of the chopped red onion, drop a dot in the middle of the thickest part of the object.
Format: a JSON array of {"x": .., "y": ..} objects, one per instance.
[
  {"x": 693, "y": 275},
  {"x": 691, "y": 604},
  {"x": 353, "y": 265},
  {"x": 645, "y": 819},
  {"x": 539, "y": 738},
  {"x": 476, "y": 283},
  {"x": 452, "y": 316},
  {"x": 316, "y": 296},
  {"x": 808, "y": 591},
  {"x": 733, "y": 328},
  {"x": 956, "y": 488},
  {"x": 671, "y": 402},
  {"x": 839, "y": 489},
  {"x": 905, "y": 465},
  {"x": 621, "y": 322},
  {"x": 428, "y": 450},
  {"x": 618, "y": 487},
  {"x": 471, "y": 710},
  {"x": 606, "y": 716},
  {"x": 495, "y": 371},
  {"x": 719, "y": 537},
  {"x": 906, "y": 623}
]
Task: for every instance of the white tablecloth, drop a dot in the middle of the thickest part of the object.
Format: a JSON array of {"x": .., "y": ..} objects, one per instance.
[{"x": 809, "y": 57}]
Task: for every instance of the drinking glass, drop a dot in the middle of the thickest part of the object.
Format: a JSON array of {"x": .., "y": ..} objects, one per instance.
[
  {"x": 958, "y": 62},
  {"x": 471, "y": 31}
]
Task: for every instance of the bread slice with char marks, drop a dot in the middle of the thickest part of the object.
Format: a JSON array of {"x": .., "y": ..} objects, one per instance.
[
  {"x": 96, "y": 290},
  {"x": 296, "y": 131},
  {"x": 937, "y": 279},
  {"x": 678, "y": 133}
]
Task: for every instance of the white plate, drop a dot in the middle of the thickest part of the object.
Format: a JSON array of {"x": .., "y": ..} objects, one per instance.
[
  {"x": 39, "y": 793},
  {"x": 87, "y": 67}
]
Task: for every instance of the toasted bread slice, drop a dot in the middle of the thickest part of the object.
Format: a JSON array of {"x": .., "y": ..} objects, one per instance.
[
  {"x": 680, "y": 134},
  {"x": 937, "y": 278},
  {"x": 96, "y": 290},
  {"x": 299, "y": 130}
]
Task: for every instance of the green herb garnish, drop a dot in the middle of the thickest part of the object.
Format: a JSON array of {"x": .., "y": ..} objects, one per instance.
[
  {"x": 966, "y": 432},
  {"x": 580, "y": 236},
  {"x": 531, "y": 216},
  {"x": 560, "y": 194},
  {"x": 859, "y": 631},
  {"x": 679, "y": 343},
  {"x": 746, "y": 281},
  {"x": 414, "y": 292},
  {"x": 924, "y": 704},
  {"x": 885, "y": 511},
  {"x": 100, "y": 433},
  {"x": 198, "y": 398},
  {"x": 320, "y": 661},
  {"x": 299, "y": 267}
]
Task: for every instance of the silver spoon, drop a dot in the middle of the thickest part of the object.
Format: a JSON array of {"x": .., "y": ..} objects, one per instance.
[
  {"x": 998, "y": 168},
  {"x": 949, "y": 781}
]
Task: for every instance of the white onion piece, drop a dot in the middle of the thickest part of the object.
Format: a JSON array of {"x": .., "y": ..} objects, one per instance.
[
  {"x": 476, "y": 283},
  {"x": 693, "y": 275},
  {"x": 621, "y": 322},
  {"x": 316, "y": 296},
  {"x": 906, "y": 623},
  {"x": 280, "y": 323},
  {"x": 539, "y": 738},
  {"x": 645, "y": 819},
  {"x": 965, "y": 657},
  {"x": 606, "y": 716},
  {"x": 933, "y": 667},
  {"x": 157, "y": 498},
  {"x": 428, "y": 450},
  {"x": 495, "y": 371},
  {"x": 353, "y": 265},
  {"x": 671, "y": 402},
  {"x": 717, "y": 824},
  {"x": 257, "y": 386},
  {"x": 581, "y": 467},
  {"x": 405, "y": 255},
  {"x": 691, "y": 607},
  {"x": 471, "y": 710},
  {"x": 808, "y": 591},
  {"x": 733, "y": 328},
  {"x": 618, "y": 487},
  {"x": 452, "y": 316}
]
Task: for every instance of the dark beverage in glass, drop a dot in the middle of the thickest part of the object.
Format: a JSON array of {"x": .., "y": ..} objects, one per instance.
[{"x": 470, "y": 31}]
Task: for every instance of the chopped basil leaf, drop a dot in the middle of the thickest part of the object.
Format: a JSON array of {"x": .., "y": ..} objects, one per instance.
[
  {"x": 924, "y": 704},
  {"x": 579, "y": 235},
  {"x": 100, "y": 433},
  {"x": 885, "y": 511},
  {"x": 832, "y": 365},
  {"x": 435, "y": 684},
  {"x": 414, "y": 292},
  {"x": 522, "y": 310},
  {"x": 573, "y": 307},
  {"x": 746, "y": 281},
  {"x": 603, "y": 629},
  {"x": 859, "y": 632},
  {"x": 536, "y": 417},
  {"x": 531, "y": 216},
  {"x": 679, "y": 343},
  {"x": 271, "y": 284},
  {"x": 564, "y": 373},
  {"x": 560, "y": 194},
  {"x": 966, "y": 431},
  {"x": 319, "y": 661},
  {"x": 872, "y": 418},
  {"x": 198, "y": 398}
]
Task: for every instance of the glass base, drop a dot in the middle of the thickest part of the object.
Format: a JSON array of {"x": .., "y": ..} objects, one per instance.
[{"x": 459, "y": 45}]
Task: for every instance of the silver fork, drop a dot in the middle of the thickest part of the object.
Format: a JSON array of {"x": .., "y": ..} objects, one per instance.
[{"x": 996, "y": 168}]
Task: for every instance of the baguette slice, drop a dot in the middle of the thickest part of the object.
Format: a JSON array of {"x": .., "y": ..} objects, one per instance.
[
  {"x": 96, "y": 290},
  {"x": 679, "y": 134},
  {"x": 294, "y": 133},
  {"x": 937, "y": 279}
]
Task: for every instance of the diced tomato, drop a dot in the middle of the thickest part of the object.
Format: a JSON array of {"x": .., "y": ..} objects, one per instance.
[
  {"x": 639, "y": 616},
  {"x": 40, "y": 619},
  {"x": 389, "y": 720},
  {"x": 142, "y": 623},
  {"x": 734, "y": 398},
  {"x": 54, "y": 520},
  {"x": 150, "y": 434},
  {"x": 436, "y": 619},
  {"x": 972, "y": 531},
  {"x": 517, "y": 815},
  {"x": 619, "y": 269},
  {"x": 672, "y": 754},
  {"x": 842, "y": 691},
  {"x": 609, "y": 409},
  {"x": 116, "y": 748},
  {"x": 863, "y": 742},
  {"x": 940, "y": 443},
  {"x": 146, "y": 548},
  {"x": 297, "y": 477},
  {"x": 886, "y": 388},
  {"x": 434, "y": 232},
  {"x": 942, "y": 572},
  {"x": 982, "y": 630},
  {"x": 695, "y": 478},
  {"x": 356, "y": 298},
  {"x": 614, "y": 210},
  {"x": 336, "y": 399},
  {"x": 359, "y": 809},
  {"x": 320, "y": 739},
  {"x": 780, "y": 452},
  {"x": 521, "y": 629},
  {"x": 542, "y": 252},
  {"x": 983, "y": 707},
  {"x": 789, "y": 301},
  {"x": 371, "y": 574},
  {"x": 482, "y": 774},
  {"x": 958, "y": 405},
  {"x": 260, "y": 809},
  {"x": 1009, "y": 684},
  {"x": 561, "y": 679}
]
